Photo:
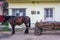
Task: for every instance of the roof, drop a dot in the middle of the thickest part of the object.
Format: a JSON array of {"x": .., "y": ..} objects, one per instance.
[{"x": 30, "y": 1}]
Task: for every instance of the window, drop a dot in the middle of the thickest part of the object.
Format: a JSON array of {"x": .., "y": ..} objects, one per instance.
[
  {"x": 48, "y": 12},
  {"x": 19, "y": 12}
]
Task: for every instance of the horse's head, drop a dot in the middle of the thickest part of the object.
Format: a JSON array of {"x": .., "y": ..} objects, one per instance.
[{"x": 5, "y": 19}]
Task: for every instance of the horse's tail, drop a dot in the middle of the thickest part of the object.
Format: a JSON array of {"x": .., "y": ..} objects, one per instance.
[{"x": 29, "y": 22}]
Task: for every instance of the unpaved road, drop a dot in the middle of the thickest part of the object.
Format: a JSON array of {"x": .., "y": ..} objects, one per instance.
[{"x": 47, "y": 35}]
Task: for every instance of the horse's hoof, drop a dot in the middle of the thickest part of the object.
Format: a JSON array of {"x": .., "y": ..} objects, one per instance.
[
  {"x": 26, "y": 32},
  {"x": 12, "y": 33}
]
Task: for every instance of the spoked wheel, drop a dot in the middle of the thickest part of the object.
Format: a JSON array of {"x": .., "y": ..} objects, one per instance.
[{"x": 38, "y": 31}]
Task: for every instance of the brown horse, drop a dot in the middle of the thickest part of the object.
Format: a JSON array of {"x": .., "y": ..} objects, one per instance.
[{"x": 18, "y": 21}]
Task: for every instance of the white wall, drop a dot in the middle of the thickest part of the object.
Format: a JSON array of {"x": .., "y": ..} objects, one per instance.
[{"x": 38, "y": 7}]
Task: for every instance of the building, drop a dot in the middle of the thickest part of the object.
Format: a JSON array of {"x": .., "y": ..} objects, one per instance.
[{"x": 37, "y": 10}]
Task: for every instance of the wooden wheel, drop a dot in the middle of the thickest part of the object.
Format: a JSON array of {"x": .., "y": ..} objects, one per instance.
[{"x": 38, "y": 31}]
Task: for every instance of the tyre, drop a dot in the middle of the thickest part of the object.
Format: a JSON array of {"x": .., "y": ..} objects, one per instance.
[{"x": 38, "y": 31}]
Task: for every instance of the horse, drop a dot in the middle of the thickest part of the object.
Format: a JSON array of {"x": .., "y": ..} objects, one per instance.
[{"x": 13, "y": 20}]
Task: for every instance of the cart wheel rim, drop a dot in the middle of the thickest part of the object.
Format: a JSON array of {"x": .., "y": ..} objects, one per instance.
[{"x": 38, "y": 32}]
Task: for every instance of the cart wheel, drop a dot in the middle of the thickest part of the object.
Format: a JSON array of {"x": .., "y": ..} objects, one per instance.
[{"x": 38, "y": 31}]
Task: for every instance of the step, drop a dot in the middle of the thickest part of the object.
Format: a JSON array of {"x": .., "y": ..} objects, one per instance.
[{"x": 1, "y": 27}]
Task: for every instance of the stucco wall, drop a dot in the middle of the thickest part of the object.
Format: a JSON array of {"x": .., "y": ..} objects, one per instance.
[{"x": 38, "y": 7}]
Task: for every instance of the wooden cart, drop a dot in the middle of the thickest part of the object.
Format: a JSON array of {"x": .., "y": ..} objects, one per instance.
[{"x": 40, "y": 25}]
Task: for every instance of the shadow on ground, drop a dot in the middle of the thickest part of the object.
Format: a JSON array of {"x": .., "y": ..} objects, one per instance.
[
  {"x": 3, "y": 35},
  {"x": 58, "y": 33}
]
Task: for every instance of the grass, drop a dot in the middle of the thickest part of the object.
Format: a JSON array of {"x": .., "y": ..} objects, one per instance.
[{"x": 6, "y": 28}]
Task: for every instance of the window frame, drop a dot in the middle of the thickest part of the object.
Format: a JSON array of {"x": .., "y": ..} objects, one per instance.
[
  {"x": 48, "y": 12},
  {"x": 15, "y": 9}
]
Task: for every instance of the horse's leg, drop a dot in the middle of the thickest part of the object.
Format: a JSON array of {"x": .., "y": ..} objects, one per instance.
[
  {"x": 27, "y": 30},
  {"x": 13, "y": 29},
  {"x": 27, "y": 27}
]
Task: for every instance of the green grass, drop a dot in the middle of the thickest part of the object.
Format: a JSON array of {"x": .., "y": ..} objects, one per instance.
[{"x": 6, "y": 28}]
